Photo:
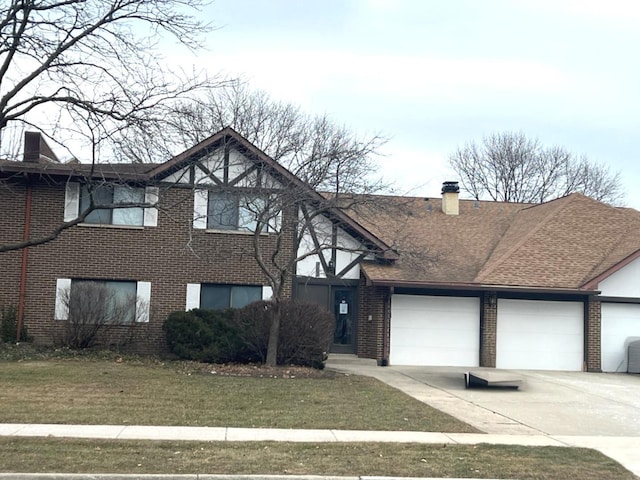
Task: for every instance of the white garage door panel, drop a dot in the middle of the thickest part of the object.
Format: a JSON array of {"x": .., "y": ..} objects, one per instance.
[
  {"x": 540, "y": 335},
  {"x": 434, "y": 330},
  {"x": 620, "y": 325}
]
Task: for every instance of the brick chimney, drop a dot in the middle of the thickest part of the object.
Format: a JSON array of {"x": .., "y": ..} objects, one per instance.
[
  {"x": 36, "y": 149},
  {"x": 450, "y": 192}
]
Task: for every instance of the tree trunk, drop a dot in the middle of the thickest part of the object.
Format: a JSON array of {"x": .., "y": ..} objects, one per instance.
[{"x": 274, "y": 334}]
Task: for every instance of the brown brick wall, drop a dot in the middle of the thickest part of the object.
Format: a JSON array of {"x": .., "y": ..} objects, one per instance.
[
  {"x": 12, "y": 203},
  {"x": 488, "y": 329},
  {"x": 169, "y": 256},
  {"x": 373, "y": 327},
  {"x": 592, "y": 335}
]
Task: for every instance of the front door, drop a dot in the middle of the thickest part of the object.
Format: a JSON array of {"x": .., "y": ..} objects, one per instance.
[
  {"x": 344, "y": 309},
  {"x": 342, "y": 302}
]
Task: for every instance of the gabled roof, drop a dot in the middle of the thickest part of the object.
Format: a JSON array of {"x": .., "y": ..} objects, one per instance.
[
  {"x": 228, "y": 136},
  {"x": 562, "y": 245}
]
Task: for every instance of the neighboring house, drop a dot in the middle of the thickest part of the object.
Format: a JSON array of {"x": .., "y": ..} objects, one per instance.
[{"x": 412, "y": 281}]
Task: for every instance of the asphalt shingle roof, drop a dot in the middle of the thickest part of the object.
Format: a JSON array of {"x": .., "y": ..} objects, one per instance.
[{"x": 560, "y": 244}]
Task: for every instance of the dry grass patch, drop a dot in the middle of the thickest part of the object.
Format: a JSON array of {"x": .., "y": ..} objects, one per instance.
[
  {"x": 404, "y": 460},
  {"x": 81, "y": 391}
]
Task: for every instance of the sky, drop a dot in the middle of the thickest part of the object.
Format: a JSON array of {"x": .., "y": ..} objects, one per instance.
[{"x": 432, "y": 75}]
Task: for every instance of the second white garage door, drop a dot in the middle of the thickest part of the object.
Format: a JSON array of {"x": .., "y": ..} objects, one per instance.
[
  {"x": 540, "y": 335},
  {"x": 442, "y": 331},
  {"x": 620, "y": 325}
]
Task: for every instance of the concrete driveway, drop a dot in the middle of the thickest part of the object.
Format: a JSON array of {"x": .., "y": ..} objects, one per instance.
[{"x": 553, "y": 403}]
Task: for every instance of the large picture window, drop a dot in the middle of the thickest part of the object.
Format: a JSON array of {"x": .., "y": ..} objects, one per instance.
[
  {"x": 107, "y": 195},
  {"x": 100, "y": 301},
  {"x": 218, "y": 297}
]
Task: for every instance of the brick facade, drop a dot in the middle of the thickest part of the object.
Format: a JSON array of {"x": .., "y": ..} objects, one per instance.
[
  {"x": 593, "y": 315},
  {"x": 12, "y": 199},
  {"x": 488, "y": 329},
  {"x": 373, "y": 323},
  {"x": 169, "y": 256}
]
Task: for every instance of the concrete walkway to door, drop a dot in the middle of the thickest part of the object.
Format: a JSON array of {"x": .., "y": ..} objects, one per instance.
[{"x": 600, "y": 411}]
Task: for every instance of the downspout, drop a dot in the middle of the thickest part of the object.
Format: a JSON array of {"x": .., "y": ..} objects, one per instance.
[{"x": 25, "y": 258}]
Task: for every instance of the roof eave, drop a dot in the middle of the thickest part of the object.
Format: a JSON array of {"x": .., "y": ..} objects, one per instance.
[
  {"x": 463, "y": 286},
  {"x": 593, "y": 283}
]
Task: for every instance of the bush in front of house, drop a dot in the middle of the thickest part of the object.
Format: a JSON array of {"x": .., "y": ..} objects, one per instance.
[
  {"x": 242, "y": 335},
  {"x": 306, "y": 332},
  {"x": 205, "y": 335},
  {"x": 9, "y": 325}
]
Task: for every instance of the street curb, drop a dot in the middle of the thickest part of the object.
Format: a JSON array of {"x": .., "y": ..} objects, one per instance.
[{"x": 197, "y": 476}]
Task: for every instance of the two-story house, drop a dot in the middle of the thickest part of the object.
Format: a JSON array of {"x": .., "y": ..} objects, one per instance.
[{"x": 421, "y": 281}]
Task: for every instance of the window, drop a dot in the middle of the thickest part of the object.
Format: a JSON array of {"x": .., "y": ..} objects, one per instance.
[
  {"x": 102, "y": 301},
  {"x": 99, "y": 301},
  {"x": 218, "y": 297},
  {"x": 108, "y": 194},
  {"x": 231, "y": 211}
]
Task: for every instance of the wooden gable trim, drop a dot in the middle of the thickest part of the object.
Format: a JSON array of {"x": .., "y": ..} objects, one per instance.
[
  {"x": 316, "y": 242},
  {"x": 353, "y": 263},
  {"x": 593, "y": 283},
  {"x": 209, "y": 174},
  {"x": 244, "y": 175}
]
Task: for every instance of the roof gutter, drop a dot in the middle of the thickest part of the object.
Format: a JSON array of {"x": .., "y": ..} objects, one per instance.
[{"x": 477, "y": 287}]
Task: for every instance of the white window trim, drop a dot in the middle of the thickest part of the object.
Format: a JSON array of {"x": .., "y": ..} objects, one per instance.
[
  {"x": 267, "y": 293},
  {"x": 193, "y": 296},
  {"x": 63, "y": 287},
  {"x": 71, "y": 201},
  {"x": 200, "y": 208},
  {"x": 151, "y": 196},
  {"x": 143, "y": 293}
]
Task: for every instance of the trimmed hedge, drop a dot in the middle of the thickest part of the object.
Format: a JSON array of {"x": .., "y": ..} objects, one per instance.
[
  {"x": 205, "y": 335},
  {"x": 242, "y": 335}
]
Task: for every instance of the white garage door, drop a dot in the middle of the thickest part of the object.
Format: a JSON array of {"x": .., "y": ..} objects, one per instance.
[
  {"x": 441, "y": 331},
  {"x": 540, "y": 335},
  {"x": 620, "y": 325}
]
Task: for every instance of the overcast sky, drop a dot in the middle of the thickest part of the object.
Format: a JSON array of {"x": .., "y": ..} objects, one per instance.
[{"x": 434, "y": 74}]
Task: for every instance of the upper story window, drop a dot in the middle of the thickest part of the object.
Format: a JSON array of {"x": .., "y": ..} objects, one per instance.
[
  {"x": 78, "y": 199},
  {"x": 234, "y": 211},
  {"x": 108, "y": 195}
]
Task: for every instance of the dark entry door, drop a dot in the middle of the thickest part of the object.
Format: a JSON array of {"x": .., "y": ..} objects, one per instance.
[
  {"x": 342, "y": 302},
  {"x": 344, "y": 309}
]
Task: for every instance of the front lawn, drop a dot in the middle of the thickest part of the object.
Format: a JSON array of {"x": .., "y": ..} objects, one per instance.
[
  {"x": 123, "y": 392},
  {"x": 398, "y": 460}
]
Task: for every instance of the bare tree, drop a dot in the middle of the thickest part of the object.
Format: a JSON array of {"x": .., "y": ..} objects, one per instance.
[
  {"x": 97, "y": 61},
  {"x": 85, "y": 70},
  {"x": 510, "y": 167},
  {"x": 326, "y": 156}
]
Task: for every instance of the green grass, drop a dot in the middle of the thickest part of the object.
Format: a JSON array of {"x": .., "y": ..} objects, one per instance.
[
  {"x": 403, "y": 460},
  {"x": 124, "y": 393}
]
